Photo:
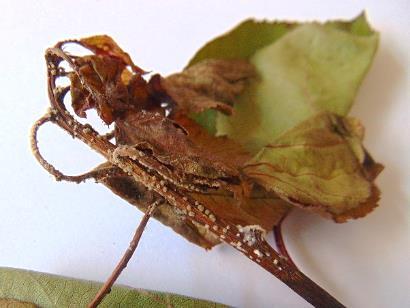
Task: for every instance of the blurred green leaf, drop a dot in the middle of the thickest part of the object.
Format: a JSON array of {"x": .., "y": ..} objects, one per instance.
[{"x": 45, "y": 290}]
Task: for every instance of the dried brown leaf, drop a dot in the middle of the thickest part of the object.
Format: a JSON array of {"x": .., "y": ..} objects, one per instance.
[
  {"x": 99, "y": 84},
  {"x": 105, "y": 45},
  {"x": 210, "y": 84}
]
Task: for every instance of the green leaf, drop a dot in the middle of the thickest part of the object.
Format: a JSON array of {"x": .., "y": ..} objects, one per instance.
[
  {"x": 291, "y": 117},
  {"x": 243, "y": 41},
  {"x": 45, "y": 290},
  {"x": 319, "y": 165},
  {"x": 303, "y": 69},
  {"x": 11, "y": 303},
  {"x": 240, "y": 43}
]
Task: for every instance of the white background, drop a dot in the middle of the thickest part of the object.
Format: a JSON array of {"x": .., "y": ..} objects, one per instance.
[{"x": 81, "y": 230}]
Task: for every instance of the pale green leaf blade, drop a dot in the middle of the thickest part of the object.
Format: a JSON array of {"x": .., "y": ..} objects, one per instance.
[
  {"x": 310, "y": 69},
  {"x": 242, "y": 41},
  {"x": 45, "y": 290}
]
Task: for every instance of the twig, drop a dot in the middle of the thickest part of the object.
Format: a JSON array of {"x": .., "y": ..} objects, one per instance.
[
  {"x": 60, "y": 176},
  {"x": 106, "y": 288},
  {"x": 280, "y": 243}
]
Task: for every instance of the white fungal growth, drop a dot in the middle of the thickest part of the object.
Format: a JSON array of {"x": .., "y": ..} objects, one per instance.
[
  {"x": 86, "y": 130},
  {"x": 275, "y": 261},
  {"x": 250, "y": 232},
  {"x": 258, "y": 253}
]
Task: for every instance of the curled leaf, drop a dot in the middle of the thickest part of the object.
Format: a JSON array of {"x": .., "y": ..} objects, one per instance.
[
  {"x": 170, "y": 145},
  {"x": 105, "y": 45},
  {"x": 99, "y": 84},
  {"x": 320, "y": 166},
  {"x": 138, "y": 195},
  {"x": 193, "y": 157},
  {"x": 210, "y": 84},
  {"x": 259, "y": 208}
]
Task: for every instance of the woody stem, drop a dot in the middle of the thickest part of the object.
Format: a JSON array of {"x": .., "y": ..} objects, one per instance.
[
  {"x": 106, "y": 288},
  {"x": 280, "y": 243}
]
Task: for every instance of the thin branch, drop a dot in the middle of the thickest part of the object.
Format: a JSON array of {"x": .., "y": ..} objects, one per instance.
[
  {"x": 60, "y": 176},
  {"x": 106, "y": 288},
  {"x": 280, "y": 243}
]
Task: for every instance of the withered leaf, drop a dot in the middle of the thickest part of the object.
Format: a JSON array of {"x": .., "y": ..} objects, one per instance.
[
  {"x": 211, "y": 84},
  {"x": 104, "y": 83},
  {"x": 138, "y": 195},
  {"x": 177, "y": 147},
  {"x": 105, "y": 45},
  {"x": 319, "y": 165},
  {"x": 194, "y": 155},
  {"x": 222, "y": 148},
  {"x": 170, "y": 145},
  {"x": 99, "y": 84},
  {"x": 259, "y": 208}
]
